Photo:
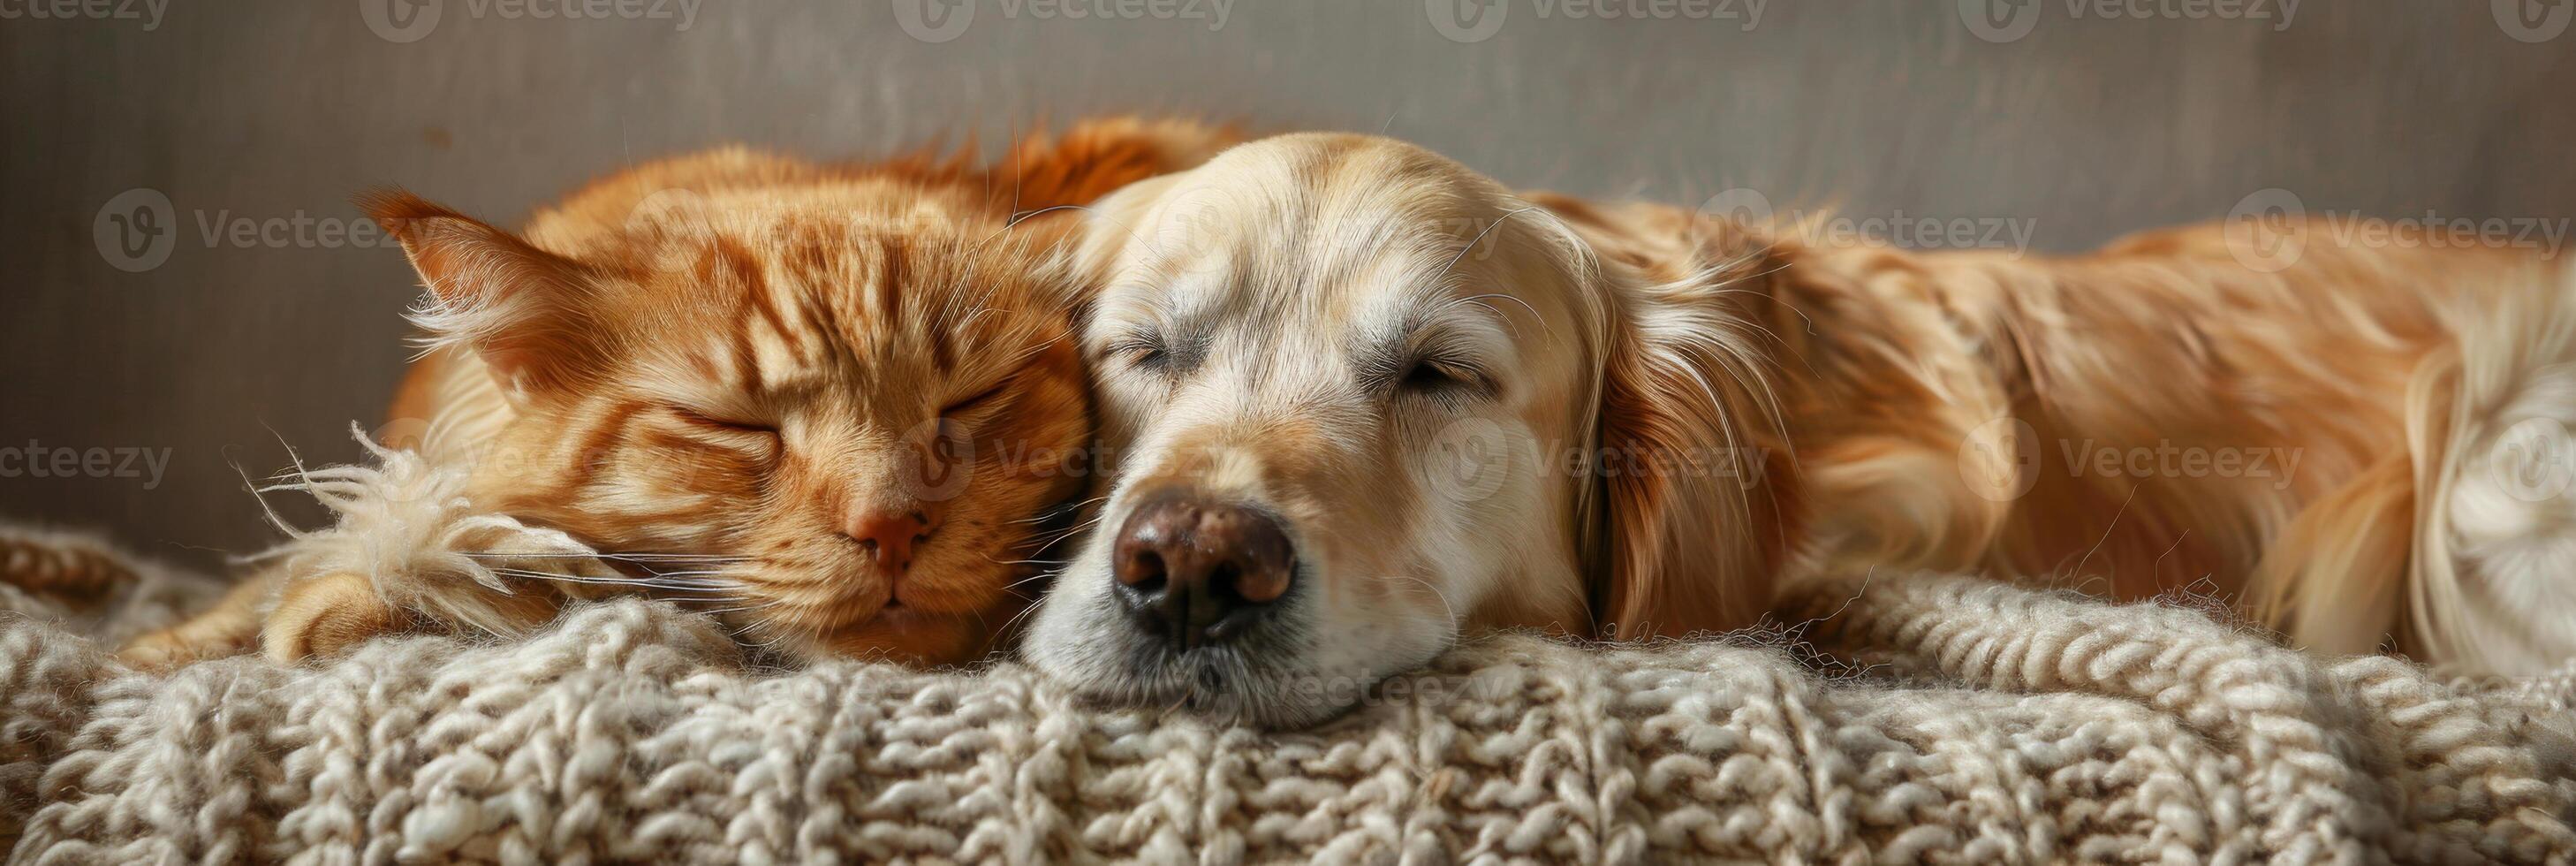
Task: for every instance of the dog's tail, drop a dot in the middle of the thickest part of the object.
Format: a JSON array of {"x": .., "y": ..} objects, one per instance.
[
  {"x": 2462, "y": 546},
  {"x": 2493, "y": 574}
]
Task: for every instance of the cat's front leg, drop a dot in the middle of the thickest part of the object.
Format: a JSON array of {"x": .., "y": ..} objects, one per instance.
[
  {"x": 230, "y": 628},
  {"x": 326, "y": 614},
  {"x": 288, "y": 617}
]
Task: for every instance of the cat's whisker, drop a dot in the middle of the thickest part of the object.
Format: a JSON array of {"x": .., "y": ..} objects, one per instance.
[
  {"x": 1024, "y": 613},
  {"x": 1057, "y": 512},
  {"x": 756, "y": 623},
  {"x": 753, "y": 603},
  {"x": 700, "y": 575},
  {"x": 698, "y": 584},
  {"x": 1096, "y": 518},
  {"x": 671, "y": 557},
  {"x": 1047, "y": 552},
  {"x": 701, "y": 595},
  {"x": 672, "y": 586},
  {"x": 1043, "y": 575},
  {"x": 1045, "y": 549},
  {"x": 641, "y": 555},
  {"x": 1061, "y": 537},
  {"x": 1077, "y": 529},
  {"x": 685, "y": 559},
  {"x": 778, "y": 635}
]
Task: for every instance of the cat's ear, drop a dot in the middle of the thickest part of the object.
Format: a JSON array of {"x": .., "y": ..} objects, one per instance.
[{"x": 521, "y": 309}]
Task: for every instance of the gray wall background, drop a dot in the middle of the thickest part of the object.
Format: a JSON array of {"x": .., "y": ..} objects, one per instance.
[{"x": 226, "y": 353}]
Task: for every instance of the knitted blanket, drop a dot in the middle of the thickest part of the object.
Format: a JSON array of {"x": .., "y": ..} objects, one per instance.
[{"x": 1919, "y": 718}]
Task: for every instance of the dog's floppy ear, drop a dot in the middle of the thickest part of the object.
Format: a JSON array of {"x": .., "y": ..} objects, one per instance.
[
  {"x": 520, "y": 308},
  {"x": 1118, "y": 220},
  {"x": 1694, "y": 486}
]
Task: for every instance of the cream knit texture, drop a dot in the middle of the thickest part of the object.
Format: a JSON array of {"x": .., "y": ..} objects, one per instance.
[{"x": 1919, "y": 719}]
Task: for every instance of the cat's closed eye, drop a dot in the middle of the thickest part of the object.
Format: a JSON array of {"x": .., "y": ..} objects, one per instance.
[
  {"x": 757, "y": 435},
  {"x": 723, "y": 422},
  {"x": 977, "y": 403}
]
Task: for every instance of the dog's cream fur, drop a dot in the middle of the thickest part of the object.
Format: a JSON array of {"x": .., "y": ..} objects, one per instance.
[{"x": 1651, "y": 414}]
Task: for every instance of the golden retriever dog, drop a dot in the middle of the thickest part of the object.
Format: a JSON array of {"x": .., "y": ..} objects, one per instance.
[{"x": 1358, "y": 399}]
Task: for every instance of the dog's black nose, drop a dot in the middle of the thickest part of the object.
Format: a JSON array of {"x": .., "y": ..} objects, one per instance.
[{"x": 1199, "y": 572}]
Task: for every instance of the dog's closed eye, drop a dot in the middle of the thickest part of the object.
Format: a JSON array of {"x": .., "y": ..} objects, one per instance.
[
  {"x": 1448, "y": 378},
  {"x": 1143, "y": 350},
  {"x": 1437, "y": 376}
]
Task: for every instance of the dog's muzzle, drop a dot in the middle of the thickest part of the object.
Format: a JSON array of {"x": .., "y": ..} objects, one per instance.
[{"x": 1194, "y": 572}]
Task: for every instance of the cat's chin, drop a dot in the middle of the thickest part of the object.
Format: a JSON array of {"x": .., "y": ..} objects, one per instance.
[{"x": 912, "y": 636}]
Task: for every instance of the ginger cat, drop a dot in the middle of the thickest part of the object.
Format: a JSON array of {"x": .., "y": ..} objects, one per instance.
[{"x": 841, "y": 402}]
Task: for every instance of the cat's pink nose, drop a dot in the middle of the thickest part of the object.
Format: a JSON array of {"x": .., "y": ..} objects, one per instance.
[{"x": 890, "y": 536}]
